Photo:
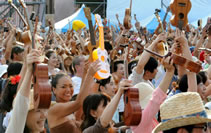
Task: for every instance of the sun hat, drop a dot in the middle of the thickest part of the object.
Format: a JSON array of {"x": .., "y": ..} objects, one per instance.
[
  {"x": 145, "y": 93},
  {"x": 181, "y": 110}
]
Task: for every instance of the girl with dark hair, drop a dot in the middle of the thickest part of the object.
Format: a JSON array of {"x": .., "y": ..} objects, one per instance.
[
  {"x": 8, "y": 95},
  {"x": 52, "y": 62},
  {"x": 97, "y": 114},
  {"x": 91, "y": 103},
  {"x": 61, "y": 117},
  {"x": 183, "y": 86}
]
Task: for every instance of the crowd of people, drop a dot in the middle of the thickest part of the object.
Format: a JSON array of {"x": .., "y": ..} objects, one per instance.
[{"x": 173, "y": 98}]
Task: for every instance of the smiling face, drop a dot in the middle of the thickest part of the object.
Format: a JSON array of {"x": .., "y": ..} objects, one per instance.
[
  {"x": 53, "y": 60},
  {"x": 36, "y": 119},
  {"x": 64, "y": 89}
]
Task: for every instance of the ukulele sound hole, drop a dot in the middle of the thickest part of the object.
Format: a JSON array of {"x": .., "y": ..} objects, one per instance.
[
  {"x": 181, "y": 15},
  {"x": 182, "y": 4}
]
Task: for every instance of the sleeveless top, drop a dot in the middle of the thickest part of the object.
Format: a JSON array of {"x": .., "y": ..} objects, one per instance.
[{"x": 69, "y": 126}]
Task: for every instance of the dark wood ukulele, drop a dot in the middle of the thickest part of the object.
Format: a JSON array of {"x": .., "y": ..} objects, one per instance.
[
  {"x": 42, "y": 87},
  {"x": 180, "y": 60},
  {"x": 132, "y": 110}
]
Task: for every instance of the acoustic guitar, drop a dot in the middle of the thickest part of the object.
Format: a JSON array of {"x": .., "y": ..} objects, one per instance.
[
  {"x": 127, "y": 18},
  {"x": 42, "y": 87},
  {"x": 100, "y": 53},
  {"x": 92, "y": 44},
  {"x": 180, "y": 10},
  {"x": 132, "y": 110}
]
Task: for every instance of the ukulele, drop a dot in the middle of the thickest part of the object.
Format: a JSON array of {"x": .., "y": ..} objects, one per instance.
[
  {"x": 132, "y": 110},
  {"x": 93, "y": 44},
  {"x": 127, "y": 19},
  {"x": 100, "y": 53},
  {"x": 21, "y": 16},
  {"x": 180, "y": 10},
  {"x": 179, "y": 60},
  {"x": 164, "y": 19},
  {"x": 42, "y": 87},
  {"x": 162, "y": 47}
]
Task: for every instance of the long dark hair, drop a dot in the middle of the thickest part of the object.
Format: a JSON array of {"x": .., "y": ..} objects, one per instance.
[
  {"x": 8, "y": 96},
  {"x": 91, "y": 103}
]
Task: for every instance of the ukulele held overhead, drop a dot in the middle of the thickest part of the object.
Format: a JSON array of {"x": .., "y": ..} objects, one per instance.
[
  {"x": 100, "y": 53},
  {"x": 180, "y": 10}
]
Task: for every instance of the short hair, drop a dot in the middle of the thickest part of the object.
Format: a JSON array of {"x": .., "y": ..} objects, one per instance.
[
  {"x": 103, "y": 82},
  {"x": 76, "y": 61},
  {"x": 151, "y": 65},
  {"x": 115, "y": 64},
  {"x": 16, "y": 50}
]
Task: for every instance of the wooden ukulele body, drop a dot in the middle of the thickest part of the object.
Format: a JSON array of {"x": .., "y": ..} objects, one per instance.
[
  {"x": 127, "y": 19},
  {"x": 180, "y": 10},
  {"x": 42, "y": 91},
  {"x": 133, "y": 112}
]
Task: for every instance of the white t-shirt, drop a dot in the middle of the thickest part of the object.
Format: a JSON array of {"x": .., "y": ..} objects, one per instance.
[{"x": 76, "y": 84}]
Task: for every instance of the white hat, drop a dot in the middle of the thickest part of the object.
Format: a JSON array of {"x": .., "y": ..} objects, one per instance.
[
  {"x": 181, "y": 110},
  {"x": 3, "y": 69},
  {"x": 145, "y": 93}
]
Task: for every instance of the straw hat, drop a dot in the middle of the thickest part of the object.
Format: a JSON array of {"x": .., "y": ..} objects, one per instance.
[
  {"x": 181, "y": 110},
  {"x": 145, "y": 93},
  {"x": 31, "y": 100}
]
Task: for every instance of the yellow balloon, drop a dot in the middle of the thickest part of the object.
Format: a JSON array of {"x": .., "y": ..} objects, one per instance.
[{"x": 78, "y": 24}]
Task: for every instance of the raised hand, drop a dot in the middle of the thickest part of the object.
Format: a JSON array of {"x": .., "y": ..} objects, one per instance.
[
  {"x": 93, "y": 68},
  {"x": 168, "y": 64},
  {"x": 32, "y": 57},
  {"x": 180, "y": 37},
  {"x": 161, "y": 37},
  {"x": 124, "y": 85}
]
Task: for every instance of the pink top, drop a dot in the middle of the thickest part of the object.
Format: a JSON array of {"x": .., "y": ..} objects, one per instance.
[{"x": 148, "y": 121}]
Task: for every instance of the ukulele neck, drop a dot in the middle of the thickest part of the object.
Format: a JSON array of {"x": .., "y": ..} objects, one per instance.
[
  {"x": 101, "y": 37},
  {"x": 92, "y": 36}
]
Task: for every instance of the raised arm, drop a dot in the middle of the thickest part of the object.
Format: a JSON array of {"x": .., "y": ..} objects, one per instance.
[
  {"x": 180, "y": 37},
  {"x": 64, "y": 109},
  {"x": 110, "y": 109},
  {"x": 21, "y": 102},
  {"x": 145, "y": 55}
]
